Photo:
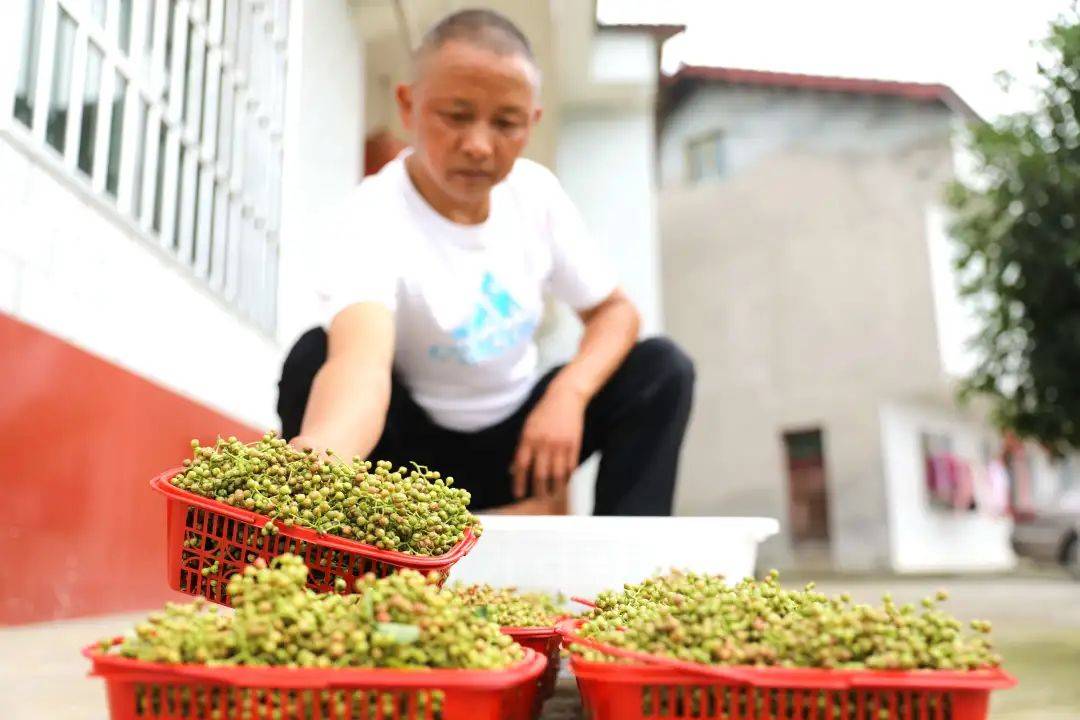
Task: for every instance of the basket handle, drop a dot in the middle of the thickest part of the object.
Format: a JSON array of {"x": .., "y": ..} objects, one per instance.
[
  {"x": 582, "y": 601},
  {"x": 731, "y": 674}
]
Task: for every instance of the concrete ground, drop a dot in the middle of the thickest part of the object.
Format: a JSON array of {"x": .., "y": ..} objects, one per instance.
[{"x": 1036, "y": 623}]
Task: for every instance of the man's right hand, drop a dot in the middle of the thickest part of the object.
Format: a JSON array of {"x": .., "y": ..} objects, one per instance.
[{"x": 303, "y": 442}]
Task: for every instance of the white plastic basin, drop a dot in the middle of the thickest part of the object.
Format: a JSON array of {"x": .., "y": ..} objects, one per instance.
[{"x": 582, "y": 555}]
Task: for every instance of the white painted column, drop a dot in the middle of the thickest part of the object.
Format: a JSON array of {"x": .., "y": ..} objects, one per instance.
[{"x": 324, "y": 135}]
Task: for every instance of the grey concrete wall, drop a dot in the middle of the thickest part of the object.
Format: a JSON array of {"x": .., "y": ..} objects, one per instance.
[{"x": 800, "y": 284}]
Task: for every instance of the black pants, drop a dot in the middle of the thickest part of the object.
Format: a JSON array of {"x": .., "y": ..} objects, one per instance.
[{"x": 636, "y": 422}]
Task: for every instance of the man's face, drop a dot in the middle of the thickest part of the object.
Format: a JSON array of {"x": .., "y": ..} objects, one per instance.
[{"x": 471, "y": 112}]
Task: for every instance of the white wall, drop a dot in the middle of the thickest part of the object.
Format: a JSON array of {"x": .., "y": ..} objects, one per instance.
[
  {"x": 927, "y": 539},
  {"x": 78, "y": 270},
  {"x": 955, "y": 317},
  {"x": 623, "y": 57},
  {"x": 73, "y": 266},
  {"x": 323, "y": 150},
  {"x": 605, "y": 162}
]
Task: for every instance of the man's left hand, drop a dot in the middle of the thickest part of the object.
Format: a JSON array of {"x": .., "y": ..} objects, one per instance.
[{"x": 550, "y": 444}]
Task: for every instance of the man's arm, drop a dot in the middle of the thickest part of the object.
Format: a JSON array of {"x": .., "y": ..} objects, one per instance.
[
  {"x": 550, "y": 442},
  {"x": 611, "y": 329},
  {"x": 351, "y": 392}
]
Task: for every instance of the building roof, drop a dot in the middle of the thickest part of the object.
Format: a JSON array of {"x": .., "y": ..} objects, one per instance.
[
  {"x": 689, "y": 75},
  {"x": 662, "y": 31}
]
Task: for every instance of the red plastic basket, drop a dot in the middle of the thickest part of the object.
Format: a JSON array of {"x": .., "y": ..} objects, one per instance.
[
  {"x": 140, "y": 690},
  {"x": 658, "y": 687},
  {"x": 201, "y": 531},
  {"x": 547, "y": 642}
]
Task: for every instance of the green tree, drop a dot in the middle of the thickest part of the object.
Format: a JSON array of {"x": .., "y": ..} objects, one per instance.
[{"x": 1019, "y": 232}]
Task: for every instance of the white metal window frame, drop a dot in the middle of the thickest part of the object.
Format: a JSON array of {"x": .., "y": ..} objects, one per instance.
[{"x": 224, "y": 159}]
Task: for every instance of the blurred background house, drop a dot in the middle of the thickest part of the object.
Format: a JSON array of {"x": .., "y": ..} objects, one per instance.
[
  {"x": 166, "y": 167},
  {"x": 807, "y": 269}
]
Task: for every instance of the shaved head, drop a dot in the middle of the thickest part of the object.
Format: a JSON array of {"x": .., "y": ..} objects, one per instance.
[
  {"x": 470, "y": 106},
  {"x": 480, "y": 28}
]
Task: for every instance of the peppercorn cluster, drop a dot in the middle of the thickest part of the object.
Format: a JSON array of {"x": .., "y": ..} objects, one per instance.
[
  {"x": 413, "y": 511},
  {"x": 401, "y": 621},
  {"x": 510, "y": 608},
  {"x": 701, "y": 619}
]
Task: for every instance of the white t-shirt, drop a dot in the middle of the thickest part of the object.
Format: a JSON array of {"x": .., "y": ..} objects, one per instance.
[{"x": 466, "y": 299}]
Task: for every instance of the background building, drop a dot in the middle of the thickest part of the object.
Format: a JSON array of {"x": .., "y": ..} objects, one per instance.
[{"x": 807, "y": 270}]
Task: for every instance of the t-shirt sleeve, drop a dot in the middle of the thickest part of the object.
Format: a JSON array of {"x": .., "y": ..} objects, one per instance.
[
  {"x": 581, "y": 275},
  {"x": 355, "y": 258}
]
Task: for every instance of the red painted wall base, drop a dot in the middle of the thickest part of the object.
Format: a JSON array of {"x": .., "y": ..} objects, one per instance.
[{"x": 81, "y": 533}]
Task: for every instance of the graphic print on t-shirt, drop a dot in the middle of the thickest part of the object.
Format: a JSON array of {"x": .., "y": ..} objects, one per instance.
[{"x": 496, "y": 324}]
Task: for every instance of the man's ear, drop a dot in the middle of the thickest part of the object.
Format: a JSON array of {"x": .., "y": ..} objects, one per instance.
[
  {"x": 537, "y": 114},
  {"x": 404, "y": 96}
]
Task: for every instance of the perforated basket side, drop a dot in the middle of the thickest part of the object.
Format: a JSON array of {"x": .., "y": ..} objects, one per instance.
[
  {"x": 213, "y": 547},
  {"x": 640, "y": 685},
  {"x": 547, "y": 642},
  {"x": 154, "y": 691},
  {"x": 208, "y": 542},
  {"x": 629, "y": 692}
]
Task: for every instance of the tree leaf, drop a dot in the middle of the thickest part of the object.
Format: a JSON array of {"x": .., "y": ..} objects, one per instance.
[{"x": 1019, "y": 254}]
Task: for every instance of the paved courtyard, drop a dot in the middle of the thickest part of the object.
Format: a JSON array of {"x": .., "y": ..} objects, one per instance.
[{"x": 1036, "y": 622}]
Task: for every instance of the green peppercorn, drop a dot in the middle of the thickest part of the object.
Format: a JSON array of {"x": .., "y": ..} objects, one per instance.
[
  {"x": 510, "y": 608},
  {"x": 351, "y": 499},
  {"x": 401, "y": 621},
  {"x": 700, "y": 618}
]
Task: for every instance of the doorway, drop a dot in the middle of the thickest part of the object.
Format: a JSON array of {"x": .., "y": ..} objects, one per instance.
[{"x": 808, "y": 496}]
